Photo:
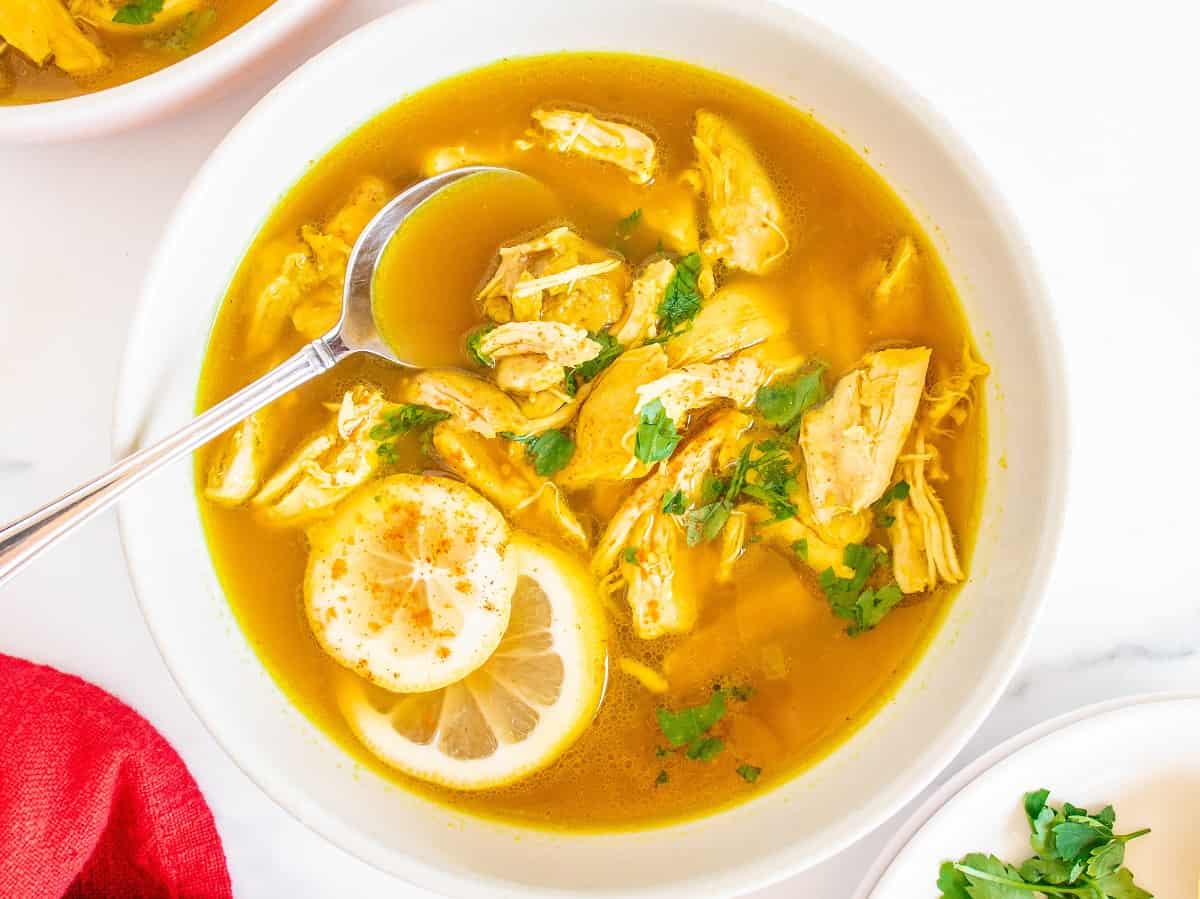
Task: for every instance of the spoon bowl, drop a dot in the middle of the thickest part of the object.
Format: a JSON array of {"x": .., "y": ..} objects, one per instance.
[{"x": 356, "y": 332}]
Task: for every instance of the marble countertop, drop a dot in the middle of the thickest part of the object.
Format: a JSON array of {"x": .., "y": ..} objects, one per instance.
[{"x": 1088, "y": 122}]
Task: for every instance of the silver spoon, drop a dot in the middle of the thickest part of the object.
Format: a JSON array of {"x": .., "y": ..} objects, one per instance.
[{"x": 25, "y": 538}]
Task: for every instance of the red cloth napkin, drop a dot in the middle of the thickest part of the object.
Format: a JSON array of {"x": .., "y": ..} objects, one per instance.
[{"x": 93, "y": 801}]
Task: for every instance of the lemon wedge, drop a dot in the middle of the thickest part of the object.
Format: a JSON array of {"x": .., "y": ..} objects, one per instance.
[
  {"x": 517, "y": 713},
  {"x": 410, "y": 584}
]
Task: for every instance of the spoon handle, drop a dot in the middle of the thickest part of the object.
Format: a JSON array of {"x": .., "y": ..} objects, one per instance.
[{"x": 25, "y": 538}]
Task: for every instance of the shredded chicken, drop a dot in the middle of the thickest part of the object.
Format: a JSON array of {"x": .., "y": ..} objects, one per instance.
[
  {"x": 44, "y": 31},
  {"x": 305, "y": 278},
  {"x": 581, "y": 133},
  {"x": 605, "y": 430},
  {"x": 640, "y": 320},
  {"x": 819, "y": 545},
  {"x": 852, "y": 442},
  {"x": 738, "y": 317},
  {"x": 697, "y": 386},
  {"x": 562, "y": 344},
  {"x": 480, "y": 405},
  {"x": 558, "y": 277},
  {"x": 658, "y": 608},
  {"x": 327, "y": 467},
  {"x": 745, "y": 220},
  {"x": 951, "y": 398},
  {"x": 237, "y": 469},
  {"x": 497, "y": 468}
]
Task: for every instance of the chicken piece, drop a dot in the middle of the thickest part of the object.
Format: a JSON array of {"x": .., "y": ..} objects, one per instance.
[
  {"x": 897, "y": 271},
  {"x": 444, "y": 159},
  {"x": 561, "y": 344},
  {"x": 820, "y": 546},
  {"x": 733, "y": 544},
  {"x": 658, "y": 608},
  {"x": 738, "y": 317},
  {"x": 581, "y": 133},
  {"x": 497, "y": 468},
  {"x": 529, "y": 376},
  {"x": 481, "y": 406},
  {"x": 852, "y": 442},
  {"x": 951, "y": 397},
  {"x": 45, "y": 32},
  {"x": 694, "y": 387},
  {"x": 607, "y": 425},
  {"x": 306, "y": 276},
  {"x": 640, "y": 321},
  {"x": 101, "y": 14},
  {"x": 559, "y": 277},
  {"x": 745, "y": 221},
  {"x": 923, "y": 553},
  {"x": 237, "y": 469},
  {"x": 329, "y": 466}
]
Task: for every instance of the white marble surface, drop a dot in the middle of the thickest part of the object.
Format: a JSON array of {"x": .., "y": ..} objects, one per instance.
[{"x": 1084, "y": 113}]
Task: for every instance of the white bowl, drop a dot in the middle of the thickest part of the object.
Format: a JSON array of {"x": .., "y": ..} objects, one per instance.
[
  {"x": 787, "y": 829},
  {"x": 162, "y": 93}
]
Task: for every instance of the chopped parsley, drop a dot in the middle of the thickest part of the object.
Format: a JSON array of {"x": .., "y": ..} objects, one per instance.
[
  {"x": 800, "y": 548},
  {"x": 629, "y": 224},
  {"x": 851, "y": 598},
  {"x": 783, "y": 405},
  {"x": 689, "y": 727},
  {"x": 183, "y": 37},
  {"x": 741, "y": 692},
  {"x": 1076, "y": 854},
  {"x": 773, "y": 480},
  {"x": 578, "y": 375},
  {"x": 663, "y": 777},
  {"x": 656, "y": 435},
  {"x": 749, "y": 773},
  {"x": 139, "y": 12},
  {"x": 705, "y": 749},
  {"x": 884, "y": 518},
  {"x": 549, "y": 451},
  {"x": 674, "y": 502},
  {"x": 473, "y": 339},
  {"x": 630, "y": 555},
  {"x": 681, "y": 300},
  {"x": 401, "y": 420}
]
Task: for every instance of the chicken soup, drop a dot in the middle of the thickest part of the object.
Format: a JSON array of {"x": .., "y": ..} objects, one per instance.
[{"x": 682, "y": 488}]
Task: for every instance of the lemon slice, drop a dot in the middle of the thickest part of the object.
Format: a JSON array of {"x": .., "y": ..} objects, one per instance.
[
  {"x": 410, "y": 584},
  {"x": 521, "y": 710}
]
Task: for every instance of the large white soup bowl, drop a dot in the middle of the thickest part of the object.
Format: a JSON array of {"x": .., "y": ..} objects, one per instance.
[{"x": 786, "y": 829}]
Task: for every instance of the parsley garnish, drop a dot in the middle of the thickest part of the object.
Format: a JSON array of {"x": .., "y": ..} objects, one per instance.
[
  {"x": 783, "y": 405},
  {"x": 689, "y": 727},
  {"x": 549, "y": 451},
  {"x": 478, "y": 357},
  {"x": 884, "y": 518},
  {"x": 627, "y": 225},
  {"x": 656, "y": 434},
  {"x": 139, "y": 12},
  {"x": 674, "y": 503},
  {"x": 741, "y": 693},
  {"x": 399, "y": 421},
  {"x": 630, "y": 555},
  {"x": 851, "y": 598},
  {"x": 1076, "y": 854},
  {"x": 800, "y": 548},
  {"x": 580, "y": 374},
  {"x": 663, "y": 777},
  {"x": 681, "y": 300},
  {"x": 749, "y": 773},
  {"x": 181, "y": 39},
  {"x": 773, "y": 481}
]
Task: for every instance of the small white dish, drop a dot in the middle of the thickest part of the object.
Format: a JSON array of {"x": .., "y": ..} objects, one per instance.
[
  {"x": 1138, "y": 754},
  {"x": 164, "y": 92},
  {"x": 787, "y": 829}
]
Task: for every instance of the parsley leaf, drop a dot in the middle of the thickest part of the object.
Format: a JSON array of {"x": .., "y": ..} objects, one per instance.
[
  {"x": 630, "y": 555},
  {"x": 185, "y": 35},
  {"x": 705, "y": 749},
  {"x": 689, "y": 725},
  {"x": 401, "y": 420},
  {"x": 139, "y": 12},
  {"x": 784, "y": 404},
  {"x": 749, "y": 773},
  {"x": 627, "y": 225},
  {"x": 741, "y": 692},
  {"x": 773, "y": 480},
  {"x": 478, "y": 357},
  {"x": 656, "y": 435},
  {"x": 674, "y": 503},
  {"x": 850, "y": 598},
  {"x": 681, "y": 300},
  {"x": 663, "y": 777},
  {"x": 898, "y": 491},
  {"x": 800, "y": 548},
  {"x": 549, "y": 451},
  {"x": 580, "y": 374}
]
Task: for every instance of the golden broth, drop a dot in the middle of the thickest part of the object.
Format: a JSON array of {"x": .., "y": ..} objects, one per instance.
[
  {"x": 814, "y": 684},
  {"x": 135, "y": 53}
]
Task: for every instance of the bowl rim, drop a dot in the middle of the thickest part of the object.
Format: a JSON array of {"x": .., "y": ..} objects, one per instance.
[
  {"x": 1053, "y": 506},
  {"x": 164, "y": 92}
]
